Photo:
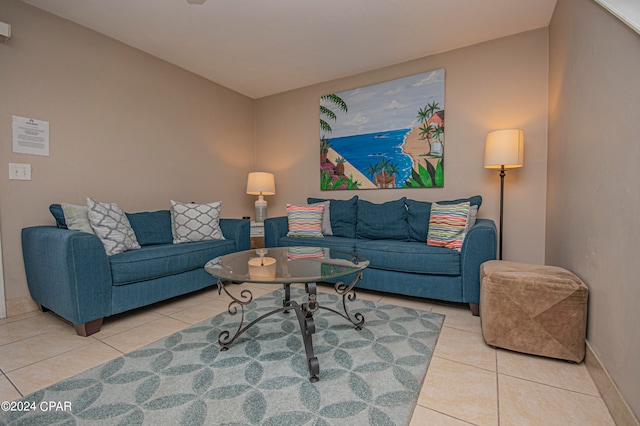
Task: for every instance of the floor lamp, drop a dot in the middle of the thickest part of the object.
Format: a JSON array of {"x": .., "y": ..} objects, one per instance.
[{"x": 504, "y": 150}]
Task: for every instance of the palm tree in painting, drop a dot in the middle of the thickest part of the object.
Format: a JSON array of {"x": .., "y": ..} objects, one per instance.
[
  {"x": 431, "y": 132},
  {"x": 438, "y": 131},
  {"x": 385, "y": 179},
  {"x": 325, "y": 127},
  {"x": 372, "y": 170},
  {"x": 432, "y": 108},
  {"x": 328, "y": 113},
  {"x": 425, "y": 130},
  {"x": 424, "y": 114},
  {"x": 393, "y": 171}
]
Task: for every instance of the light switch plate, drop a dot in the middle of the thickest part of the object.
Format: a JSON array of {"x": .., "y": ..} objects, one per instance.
[{"x": 19, "y": 171}]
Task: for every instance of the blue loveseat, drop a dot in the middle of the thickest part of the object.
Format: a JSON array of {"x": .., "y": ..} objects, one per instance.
[
  {"x": 393, "y": 237},
  {"x": 69, "y": 273}
]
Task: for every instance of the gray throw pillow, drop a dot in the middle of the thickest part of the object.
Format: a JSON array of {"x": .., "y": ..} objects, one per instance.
[
  {"x": 326, "y": 217},
  {"x": 111, "y": 225},
  {"x": 77, "y": 217},
  {"x": 195, "y": 222}
]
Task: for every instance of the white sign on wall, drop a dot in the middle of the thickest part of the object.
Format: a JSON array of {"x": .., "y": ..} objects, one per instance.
[{"x": 30, "y": 136}]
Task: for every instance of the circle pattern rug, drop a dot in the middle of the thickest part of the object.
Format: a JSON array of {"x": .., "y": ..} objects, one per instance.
[{"x": 368, "y": 376}]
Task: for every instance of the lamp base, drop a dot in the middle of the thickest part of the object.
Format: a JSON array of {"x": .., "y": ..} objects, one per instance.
[{"x": 261, "y": 209}]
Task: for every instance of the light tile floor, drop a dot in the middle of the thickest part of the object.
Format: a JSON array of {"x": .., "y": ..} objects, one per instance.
[{"x": 467, "y": 381}]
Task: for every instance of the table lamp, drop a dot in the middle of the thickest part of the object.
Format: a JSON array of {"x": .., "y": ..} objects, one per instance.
[
  {"x": 504, "y": 149},
  {"x": 260, "y": 184}
]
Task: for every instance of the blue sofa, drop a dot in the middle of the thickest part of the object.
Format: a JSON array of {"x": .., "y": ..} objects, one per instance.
[
  {"x": 393, "y": 237},
  {"x": 69, "y": 273}
]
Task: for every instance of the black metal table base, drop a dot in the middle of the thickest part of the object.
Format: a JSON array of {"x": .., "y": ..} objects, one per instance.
[{"x": 304, "y": 313}]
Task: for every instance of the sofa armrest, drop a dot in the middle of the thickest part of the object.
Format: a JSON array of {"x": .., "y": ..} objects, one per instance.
[
  {"x": 238, "y": 230},
  {"x": 480, "y": 245},
  {"x": 67, "y": 272},
  {"x": 274, "y": 229}
]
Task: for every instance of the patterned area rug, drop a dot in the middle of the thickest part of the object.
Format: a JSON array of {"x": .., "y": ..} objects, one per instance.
[{"x": 368, "y": 376}]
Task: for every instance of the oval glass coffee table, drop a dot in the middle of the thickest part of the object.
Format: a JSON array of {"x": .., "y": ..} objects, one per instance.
[{"x": 285, "y": 266}]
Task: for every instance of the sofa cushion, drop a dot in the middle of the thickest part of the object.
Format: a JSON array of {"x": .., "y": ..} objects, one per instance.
[
  {"x": 382, "y": 221},
  {"x": 407, "y": 256},
  {"x": 418, "y": 213},
  {"x": 58, "y": 215},
  {"x": 112, "y": 227},
  {"x": 151, "y": 227},
  {"x": 155, "y": 261},
  {"x": 342, "y": 214},
  {"x": 347, "y": 244}
]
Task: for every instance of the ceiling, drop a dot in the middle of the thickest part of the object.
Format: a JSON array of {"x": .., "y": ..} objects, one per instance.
[{"x": 263, "y": 47}]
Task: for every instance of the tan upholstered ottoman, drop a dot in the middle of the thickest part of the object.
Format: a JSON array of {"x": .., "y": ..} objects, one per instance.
[{"x": 539, "y": 310}]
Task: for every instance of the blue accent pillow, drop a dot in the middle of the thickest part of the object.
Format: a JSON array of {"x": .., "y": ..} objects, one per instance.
[
  {"x": 386, "y": 221},
  {"x": 151, "y": 227},
  {"x": 342, "y": 214},
  {"x": 419, "y": 212},
  {"x": 58, "y": 215}
]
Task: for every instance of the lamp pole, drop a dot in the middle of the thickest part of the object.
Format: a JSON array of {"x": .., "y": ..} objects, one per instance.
[{"x": 503, "y": 150}]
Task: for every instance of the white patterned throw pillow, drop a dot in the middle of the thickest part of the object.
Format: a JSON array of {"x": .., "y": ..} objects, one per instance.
[
  {"x": 111, "y": 225},
  {"x": 195, "y": 222}
]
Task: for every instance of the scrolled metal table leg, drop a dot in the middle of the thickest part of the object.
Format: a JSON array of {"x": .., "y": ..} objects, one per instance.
[
  {"x": 287, "y": 296},
  {"x": 304, "y": 313},
  {"x": 224, "y": 338},
  {"x": 246, "y": 297},
  {"x": 348, "y": 293}
]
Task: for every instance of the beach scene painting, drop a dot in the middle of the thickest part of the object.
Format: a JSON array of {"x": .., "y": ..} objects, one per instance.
[{"x": 384, "y": 136}]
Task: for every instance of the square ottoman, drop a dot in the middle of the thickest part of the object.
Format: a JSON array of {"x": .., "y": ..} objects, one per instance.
[{"x": 535, "y": 309}]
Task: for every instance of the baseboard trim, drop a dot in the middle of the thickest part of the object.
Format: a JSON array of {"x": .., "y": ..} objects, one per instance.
[{"x": 614, "y": 401}]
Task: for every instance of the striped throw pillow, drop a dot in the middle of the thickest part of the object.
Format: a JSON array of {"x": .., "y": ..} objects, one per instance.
[
  {"x": 304, "y": 252},
  {"x": 305, "y": 221},
  {"x": 447, "y": 224}
]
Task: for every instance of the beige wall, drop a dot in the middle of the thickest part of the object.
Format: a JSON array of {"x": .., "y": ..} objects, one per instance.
[
  {"x": 593, "y": 194},
  {"x": 494, "y": 85},
  {"x": 125, "y": 127}
]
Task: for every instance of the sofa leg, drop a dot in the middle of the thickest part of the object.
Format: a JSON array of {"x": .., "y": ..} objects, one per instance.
[
  {"x": 475, "y": 309},
  {"x": 88, "y": 328},
  {"x": 43, "y": 308}
]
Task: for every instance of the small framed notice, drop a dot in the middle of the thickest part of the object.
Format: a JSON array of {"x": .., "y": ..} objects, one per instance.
[{"x": 30, "y": 136}]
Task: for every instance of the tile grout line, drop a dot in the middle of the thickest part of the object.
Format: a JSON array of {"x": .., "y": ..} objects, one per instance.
[
  {"x": 551, "y": 386},
  {"x": 52, "y": 356},
  {"x": 448, "y": 415},
  {"x": 12, "y": 384},
  {"x": 465, "y": 363},
  {"x": 164, "y": 316}
]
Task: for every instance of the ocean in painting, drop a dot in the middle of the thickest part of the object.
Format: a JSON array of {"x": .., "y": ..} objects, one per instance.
[{"x": 364, "y": 151}]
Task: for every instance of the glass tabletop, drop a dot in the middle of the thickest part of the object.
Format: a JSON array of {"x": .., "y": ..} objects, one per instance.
[{"x": 281, "y": 265}]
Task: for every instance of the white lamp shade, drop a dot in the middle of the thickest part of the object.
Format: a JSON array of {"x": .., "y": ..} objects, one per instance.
[
  {"x": 261, "y": 183},
  {"x": 504, "y": 149}
]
